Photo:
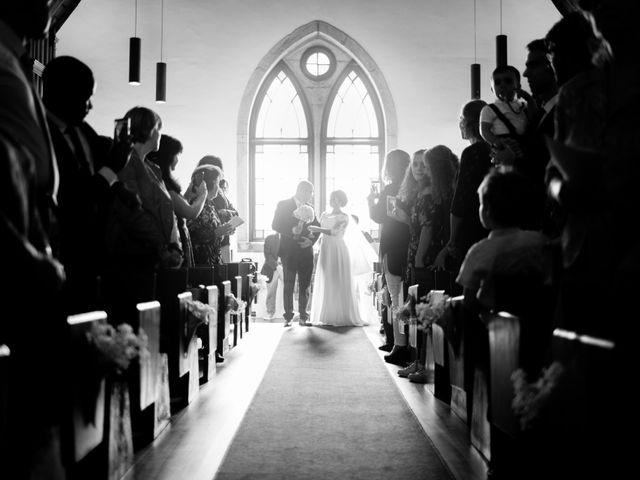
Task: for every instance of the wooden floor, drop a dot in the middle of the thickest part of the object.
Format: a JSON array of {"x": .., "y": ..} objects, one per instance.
[{"x": 194, "y": 444}]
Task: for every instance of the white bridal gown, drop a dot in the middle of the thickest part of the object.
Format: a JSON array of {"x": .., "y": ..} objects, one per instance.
[{"x": 344, "y": 255}]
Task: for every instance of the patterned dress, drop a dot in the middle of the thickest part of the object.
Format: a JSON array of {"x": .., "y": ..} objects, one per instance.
[
  {"x": 206, "y": 244},
  {"x": 426, "y": 213}
]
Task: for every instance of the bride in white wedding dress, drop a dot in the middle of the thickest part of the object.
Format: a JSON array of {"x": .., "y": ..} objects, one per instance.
[{"x": 344, "y": 255}]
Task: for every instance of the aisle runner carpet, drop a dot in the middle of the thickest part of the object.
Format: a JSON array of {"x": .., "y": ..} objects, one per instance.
[{"x": 327, "y": 409}]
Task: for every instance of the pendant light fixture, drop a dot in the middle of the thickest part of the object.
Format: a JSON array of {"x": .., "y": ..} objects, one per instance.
[
  {"x": 135, "y": 45},
  {"x": 475, "y": 66},
  {"x": 501, "y": 45},
  {"x": 161, "y": 67}
]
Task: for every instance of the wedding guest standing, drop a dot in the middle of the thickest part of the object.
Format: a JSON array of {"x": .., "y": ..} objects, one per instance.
[
  {"x": 223, "y": 206},
  {"x": 32, "y": 430},
  {"x": 88, "y": 166},
  {"x": 167, "y": 158},
  {"x": 475, "y": 163},
  {"x": 394, "y": 239},
  {"x": 415, "y": 181},
  {"x": 148, "y": 240},
  {"x": 208, "y": 229}
]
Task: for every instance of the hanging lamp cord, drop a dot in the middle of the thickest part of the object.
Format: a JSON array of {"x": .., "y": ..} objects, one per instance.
[{"x": 161, "y": 28}]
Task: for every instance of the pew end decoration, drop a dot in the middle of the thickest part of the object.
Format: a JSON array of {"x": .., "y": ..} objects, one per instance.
[
  {"x": 115, "y": 348},
  {"x": 259, "y": 284},
  {"x": 533, "y": 401},
  {"x": 433, "y": 308},
  {"x": 197, "y": 314},
  {"x": 407, "y": 312},
  {"x": 233, "y": 305}
]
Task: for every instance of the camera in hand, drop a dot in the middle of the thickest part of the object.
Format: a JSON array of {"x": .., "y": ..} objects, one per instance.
[
  {"x": 197, "y": 180},
  {"x": 122, "y": 130}
]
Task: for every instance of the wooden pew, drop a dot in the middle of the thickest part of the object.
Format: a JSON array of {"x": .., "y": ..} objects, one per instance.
[
  {"x": 238, "y": 318},
  {"x": 595, "y": 414},
  {"x": 99, "y": 442},
  {"x": 208, "y": 334},
  {"x": 148, "y": 386},
  {"x": 226, "y": 328},
  {"x": 504, "y": 359},
  {"x": 246, "y": 270},
  {"x": 455, "y": 344},
  {"x": 171, "y": 291},
  {"x": 5, "y": 359},
  {"x": 204, "y": 278},
  {"x": 88, "y": 389},
  {"x": 477, "y": 359},
  {"x": 421, "y": 337}
]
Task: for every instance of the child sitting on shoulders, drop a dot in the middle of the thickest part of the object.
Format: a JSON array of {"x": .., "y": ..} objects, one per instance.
[{"x": 503, "y": 122}]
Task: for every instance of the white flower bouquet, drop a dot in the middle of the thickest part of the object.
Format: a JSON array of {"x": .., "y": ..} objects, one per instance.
[
  {"x": 116, "y": 347},
  {"x": 304, "y": 213},
  {"x": 431, "y": 309},
  {"x": 203, "y": 313},
  {"x": 233, "y": 305}
]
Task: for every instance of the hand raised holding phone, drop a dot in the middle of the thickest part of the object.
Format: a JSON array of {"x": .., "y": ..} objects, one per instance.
[{"x": 122, "y": 131}]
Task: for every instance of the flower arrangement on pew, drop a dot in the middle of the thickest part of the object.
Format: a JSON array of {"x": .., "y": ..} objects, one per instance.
[
  {"x": 259, "y": 284},
  {"x": 198, "y": 314},
  {"x": 534, "y": 402},
  {"x": 433, "y": 308},
  {"x": 372, "y": 287},
  {"x": 202, "y": 313},
  {"x": 407, "y": 312},
  {"x": 304, "y": 214},
  {"x": 383, "y": 297},
  {"x": 233, "y": 305},
  {"x": 115, "y": 348}
]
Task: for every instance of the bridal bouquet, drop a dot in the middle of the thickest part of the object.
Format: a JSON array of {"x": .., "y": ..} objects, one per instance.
[
  {"x": 304, "y": 213},
  {"x": 116, "y": 347}
]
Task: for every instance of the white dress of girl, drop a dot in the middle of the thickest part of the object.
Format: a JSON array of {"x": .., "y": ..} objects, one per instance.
[{"x": 335, "y": 294}]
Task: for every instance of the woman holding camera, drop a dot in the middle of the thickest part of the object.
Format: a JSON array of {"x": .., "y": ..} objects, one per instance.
[
  {"x": 394, "y": 240},
  {"x": 208, "y": 230},
  {"x": 144, "y": 178}
]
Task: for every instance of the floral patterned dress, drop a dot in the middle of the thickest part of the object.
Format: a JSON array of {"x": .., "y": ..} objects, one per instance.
[
  {"x": 206, "y": 244},
  {"x": 426, "y": 213}
]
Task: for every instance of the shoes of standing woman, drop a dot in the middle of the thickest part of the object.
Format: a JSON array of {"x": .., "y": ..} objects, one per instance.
[
  {"x": 219, "y": 358},
  {"x": 413, "y": 368},
  {"x": 387, "y": 347},
  {"x": 421, "y": 376},
  {"x": 399, "y": 356}
]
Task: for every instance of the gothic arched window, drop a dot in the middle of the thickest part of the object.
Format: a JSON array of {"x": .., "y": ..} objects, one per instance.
[{"x": 315, "y": 115}]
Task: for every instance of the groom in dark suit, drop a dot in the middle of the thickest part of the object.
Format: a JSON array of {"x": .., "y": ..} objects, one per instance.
[{"x": 296, "y": 250}]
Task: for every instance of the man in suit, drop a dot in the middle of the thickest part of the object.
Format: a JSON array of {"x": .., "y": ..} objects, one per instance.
[
  {"x": 28, "y": 187},
  {"x": 544, "y": 88},
  {"x": 296, "y": 250},
  {"x": 68, "y": 85}
]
